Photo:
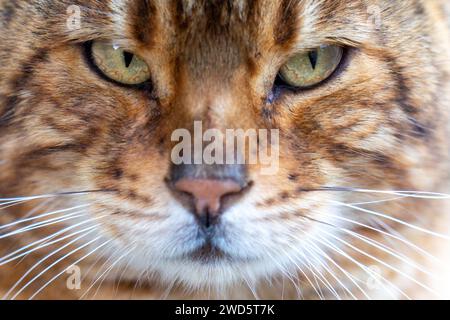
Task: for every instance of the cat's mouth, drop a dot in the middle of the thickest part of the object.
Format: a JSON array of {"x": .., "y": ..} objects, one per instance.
[
  {"x": 212, "y": 250},
  {"x": 212, "y": 254},
  {"x": 208, "y": 253}
]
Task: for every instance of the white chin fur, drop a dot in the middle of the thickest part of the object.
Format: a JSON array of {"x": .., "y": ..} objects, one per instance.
[{"x": 261, "y": 250}]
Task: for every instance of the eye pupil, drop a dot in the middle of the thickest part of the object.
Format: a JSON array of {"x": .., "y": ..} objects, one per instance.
[
  {"x": 313, "y": 58},
  {"x": 128, "y": 58}
]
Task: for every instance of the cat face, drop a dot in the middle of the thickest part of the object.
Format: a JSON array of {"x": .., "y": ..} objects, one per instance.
[{"x": 75, "y": 121}]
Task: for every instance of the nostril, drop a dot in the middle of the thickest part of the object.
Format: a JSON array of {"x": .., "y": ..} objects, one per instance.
[{"x": 207, "y": 194}]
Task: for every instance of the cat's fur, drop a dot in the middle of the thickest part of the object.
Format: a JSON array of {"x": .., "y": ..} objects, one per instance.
[{"x": 381, "y": 122}]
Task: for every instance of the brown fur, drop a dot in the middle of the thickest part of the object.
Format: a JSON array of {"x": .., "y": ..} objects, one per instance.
[{"x": 382, "y": 122}]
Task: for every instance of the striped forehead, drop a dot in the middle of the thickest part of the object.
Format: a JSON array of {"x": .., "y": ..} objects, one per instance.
[
  {"x": 283, "y": 21},
  {"x": 233, "y": 17}
]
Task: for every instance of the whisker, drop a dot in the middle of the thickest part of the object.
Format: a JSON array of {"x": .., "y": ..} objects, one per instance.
[
  {"x": 4, "y": 201},
  {"x": 364, "y": 268},
  {"x": 377, "y": 201},
  {"x": 7, "y": 258},
  {"x": 50, "y": 204},
  {"x": 169, "y": 289},
  {"x": 104, "y": 276},
  {"x": 325, "y": 282},
  {"x": 122, "y": 274},
  {"x": 285, "y": 272},
  {"x": 111, "y": 257},
  {"x": 56, "y": 194},
  {"x": 323, "y": 265},
  {"x": 385, "y": 216},
  {"x": 43, "y": 224},
  {"x": 377, "y": 245},
  {"x": 251, "y": 288},
  {"x": 320, "y": 277},
  {"x": 39, "y": 263},
  {"x": 379, "y": 223},
  {"x": 314, "y": 253},
  {"x": 402, "y": 193},
  {"x": 389, "y": 251},
  {"x": 387, "y": 234},
  {"x": 43, "y": 216},
  {"x": 91, "y": 267},
  {"x": 75, "y": 263},
  {"x": 105, "y": 273},
  {"x": 137, "y": 282},
  {"x": 383, "y": 263},
  {"x": 304, "y": 274},
  {"x": 9, "y": 204},
  {"x": 347, "y": 274},
  {"x": 370, "y": 272}
]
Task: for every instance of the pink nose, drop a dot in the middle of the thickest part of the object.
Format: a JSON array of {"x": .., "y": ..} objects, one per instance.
[{"x": 207, "y": 195}]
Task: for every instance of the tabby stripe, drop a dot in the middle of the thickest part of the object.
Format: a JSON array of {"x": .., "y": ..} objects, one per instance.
[
  {"x": 8, "y": 12},
  {"x": 19, "y": 82},
  {"x": 142, "y": 13},
  {"x": 287, "y": 24},
  {"x": 46, "y": 151},
  {"x": 8, "y": 110},
  {"x": 379, "y": 158}
]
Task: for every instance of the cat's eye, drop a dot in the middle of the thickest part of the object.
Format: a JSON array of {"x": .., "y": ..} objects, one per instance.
[
  {"x": 310, "y": 68},
  {"x": 119, "y": 65}
]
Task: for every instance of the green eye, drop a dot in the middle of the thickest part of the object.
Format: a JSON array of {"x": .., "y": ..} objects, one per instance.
[
  {"x": 118, "y": 64},
  {"x": 310, "y": 68}
]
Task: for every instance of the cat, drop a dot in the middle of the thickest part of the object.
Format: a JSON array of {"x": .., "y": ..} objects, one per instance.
[{"x": 93, "y": 205}]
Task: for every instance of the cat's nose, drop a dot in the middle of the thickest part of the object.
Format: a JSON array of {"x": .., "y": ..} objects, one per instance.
[{"x": 207, "y": 195}]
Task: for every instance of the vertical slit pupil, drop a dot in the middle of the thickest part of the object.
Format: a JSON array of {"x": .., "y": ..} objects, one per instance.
[
  {"x": 313, "y": 58},
  {"x": 128, "y": 57}
]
